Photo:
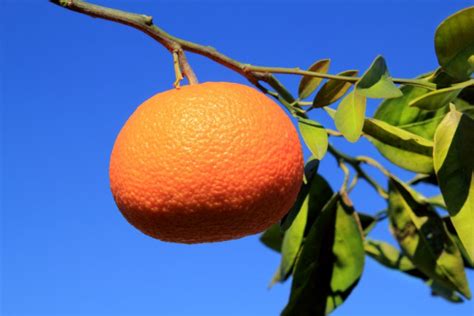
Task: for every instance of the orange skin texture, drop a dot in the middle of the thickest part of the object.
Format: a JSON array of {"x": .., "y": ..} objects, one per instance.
[{"x": 206, "y": 162}]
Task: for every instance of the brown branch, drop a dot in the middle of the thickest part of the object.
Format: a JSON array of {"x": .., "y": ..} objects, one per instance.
[{"x": 254, "y": 74}]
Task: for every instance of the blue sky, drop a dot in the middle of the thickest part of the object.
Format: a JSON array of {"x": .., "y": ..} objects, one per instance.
[{"x": 68, "y": 84}]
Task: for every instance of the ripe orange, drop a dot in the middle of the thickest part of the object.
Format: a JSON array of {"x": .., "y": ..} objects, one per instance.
[{"x": 206, "y": 162}]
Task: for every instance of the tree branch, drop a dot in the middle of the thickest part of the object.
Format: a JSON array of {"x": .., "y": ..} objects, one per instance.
[{"x": 254, "y": 74}]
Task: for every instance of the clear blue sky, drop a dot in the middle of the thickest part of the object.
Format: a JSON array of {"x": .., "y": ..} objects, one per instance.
[{"x": 68, "y": 85}]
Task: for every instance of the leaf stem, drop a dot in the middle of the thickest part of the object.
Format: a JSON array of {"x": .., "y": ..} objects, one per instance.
[
  {"x": 381, "y": 215},
  {"x": 347, "y": 175}
]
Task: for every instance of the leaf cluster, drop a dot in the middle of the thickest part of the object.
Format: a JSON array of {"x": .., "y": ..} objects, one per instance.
[{"x": 424, "y": 125}]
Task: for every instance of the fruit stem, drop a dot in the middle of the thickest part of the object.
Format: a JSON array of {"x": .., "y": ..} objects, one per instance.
[
  {"x": 185, "y": 67},
  {"x": 177, "y": 70}
]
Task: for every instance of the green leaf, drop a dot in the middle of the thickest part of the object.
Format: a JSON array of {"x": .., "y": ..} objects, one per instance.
[
  {"x": 405, "y": 159},
  {"x": 350, "y": 114},
  {"x": 275, "y": 279},
  {"x": 424, "y": 238},
  {"x": 388, "y": 255},
  {"x": 292, "y": 242},
  {"x": 453, "y": 158},
  {"x": 333, "y": 90},
  {"x": 404, "y": 148},
  {"x": 467, "y": 95},
  {"x": 397, "y": 112},
  {"x": 397, "y": 137},
  {"x": 319, "y": 195},
  {"x": 437, "y": 200},
  {"x": 449, "y": 225},
  {"x": 367, "y": 222},
  {"x": 465, "y": 108},
  {"x": 311, "y": 169},
  {"x": 310, "y": 172},
  {"x": 316, "y": 193},
  {"x": 314, "y": 136},
  {"x": 309, "y": 84},
  {"x": 293, "y": 238},
  {"x": 272, "y": 238},
  {"x": 391, "y": 258},
  {"x": 443, "y": 79},
  {"x": 454, "y": 44},
  {"x": 424, "y": 178},
  {"x": 439, "y": 289},
  {"x": 440, "y": 98},
  {"x": 330, "y": 263},
  {"x": 376, "y": 82},
  {"x": 330, "y": 112}
]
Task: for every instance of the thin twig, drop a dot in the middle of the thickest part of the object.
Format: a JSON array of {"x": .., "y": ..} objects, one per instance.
[
  {"x": 333, "y": 132},
  {"x": 356, "y": 164},
  {"x": 374, "y": 163},
  {"x": 353, "y": 183},
  {"x": 381, "y": 215},
  {"x": 347, "y": 175}
]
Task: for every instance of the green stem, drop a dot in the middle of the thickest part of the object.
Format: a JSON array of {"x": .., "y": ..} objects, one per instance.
[
  {"x": 298, "y": 71},
  {"x": 381, "y": 215},
  {"x": 347, "y": 175}
]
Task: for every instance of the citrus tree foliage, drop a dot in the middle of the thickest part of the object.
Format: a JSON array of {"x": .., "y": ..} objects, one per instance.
[
  {"x": 428, "y": 130},
  {"x": 424, "y": 125}
]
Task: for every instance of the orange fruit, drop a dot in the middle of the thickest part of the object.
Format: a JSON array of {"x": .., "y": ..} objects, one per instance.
[{"x": 206, "y": 162}]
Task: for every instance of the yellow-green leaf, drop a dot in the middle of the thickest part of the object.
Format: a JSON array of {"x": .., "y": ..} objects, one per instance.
[
  {"x": 440, "y": 98},
  {"x": 319, "y": 193},
  {"x": 404, "y": 159},
  {"x": 438, "y": 289},
  {"x": 403, "y": 148},
  {"x": 314, "y": 136},
  {"x": 449, "y": 225},
  {"x": 454, "y": 44},
  {"x": 398, "y": 113},
  {"x": 330, "y": 112},
  {"x": 397, "y": 137},
  {"x": 367, "y": 222},
  {"x": 309, "y": 84},
  {"x": 376, "y": 82},
  {"x": 292, "y": 240},
  {"x": 437, "y": 200},
  {"x": 350, "y": 115},
  {"x": 319, "y": 283},
  {"x": 425, "y": 239},
  {"x": 310, "y": 171},
  {"x": 388, "y": 255},
  {"x": 333, "y": 90},
  {"x": 454, "y": 166},
  {"x": 272, "y": 238}
]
